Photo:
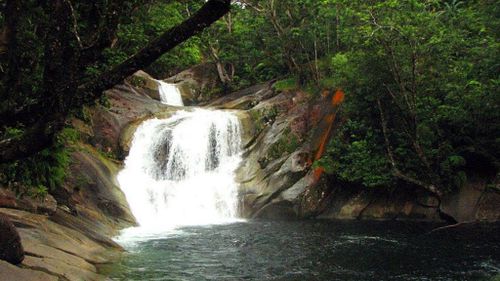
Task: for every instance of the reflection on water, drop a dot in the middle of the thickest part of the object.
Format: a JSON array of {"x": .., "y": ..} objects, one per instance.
[{"x": 314, "y": 251}]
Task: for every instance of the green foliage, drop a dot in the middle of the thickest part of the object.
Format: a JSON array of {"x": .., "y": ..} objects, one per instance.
[
  {"x": 286, "y": 144},
  {"x": 137, "y": 81},
  {"x": 148, "y": 22},
  {"x": 84, "y": 114},
  {"x": 263, "y": 117},
  {"x": 357, "y": 158},
  {"x": 434, "y": 77},
  {"x": 29, "y": 51},
  {"x": 12, "y": 133},
  {"x": 104, "y": 101},
  {"x": 343, "y": 69},
  {"x": 286, "y": 84},
  {"x": 43, "y": 47},
  {"x": 495, "y": 278},
  {"x": 39, "y": 191},
  {"x": 328, "y": 83},
  {"x": 432, "y": 66},
  {"x": 47, "y": 170}
]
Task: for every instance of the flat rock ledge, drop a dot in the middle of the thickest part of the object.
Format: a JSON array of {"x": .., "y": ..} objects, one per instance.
[{"x": 56, "y": 252}]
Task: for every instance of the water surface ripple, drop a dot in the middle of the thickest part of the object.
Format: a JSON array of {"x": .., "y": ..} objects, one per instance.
[{"x": 328, "y": 251}]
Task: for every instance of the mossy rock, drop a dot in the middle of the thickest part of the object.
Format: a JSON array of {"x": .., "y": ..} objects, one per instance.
[
  {"x": 287, "y": 144},
  {"x": 263, "y": 117}
]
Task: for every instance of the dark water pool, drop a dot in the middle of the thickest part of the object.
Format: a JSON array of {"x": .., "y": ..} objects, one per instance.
[{"x": 315, "y": 251}]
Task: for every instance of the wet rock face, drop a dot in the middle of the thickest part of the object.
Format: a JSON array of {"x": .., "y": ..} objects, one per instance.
[
  {"x": 91, "y": 195},
  {"x": 11, "y": 249},
  {"x": 278, "y": 159}
]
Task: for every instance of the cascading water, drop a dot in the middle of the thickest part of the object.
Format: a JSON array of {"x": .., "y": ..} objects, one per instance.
[
  {"x": 169, "y": 93},
  {"x": 180, "y": 170}
]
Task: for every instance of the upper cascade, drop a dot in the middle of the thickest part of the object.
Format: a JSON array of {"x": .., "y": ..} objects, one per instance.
[{"x": 169, "y": 94}]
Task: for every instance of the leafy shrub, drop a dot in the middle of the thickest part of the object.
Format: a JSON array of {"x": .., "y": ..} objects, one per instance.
[
  {"x": 45, "y": 171},
  {"x": 356, "y": 159},
  {"x": 285, "y": 84}
]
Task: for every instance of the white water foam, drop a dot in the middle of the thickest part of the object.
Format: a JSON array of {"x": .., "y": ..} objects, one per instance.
[
  {"x": 169, "y": 93},
  {"x": 180, "y": 172}
]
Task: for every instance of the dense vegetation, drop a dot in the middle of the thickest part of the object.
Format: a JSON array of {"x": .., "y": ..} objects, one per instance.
[
  {"x": 421, "y": 76},
  {"x": 424, "y": 93},
  {"x": 421, "y": 81}
]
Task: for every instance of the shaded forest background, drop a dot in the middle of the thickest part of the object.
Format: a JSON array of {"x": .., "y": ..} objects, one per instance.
[{"x": 421, "y": 78}]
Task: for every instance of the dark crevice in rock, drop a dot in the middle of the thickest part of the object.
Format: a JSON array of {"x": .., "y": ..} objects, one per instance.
[
  {"x": 20, "y": 224},
  {"x": 33, "y": 255}
]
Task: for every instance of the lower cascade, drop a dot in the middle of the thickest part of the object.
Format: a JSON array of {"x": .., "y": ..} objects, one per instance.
[{"x": 180, "y": 170}]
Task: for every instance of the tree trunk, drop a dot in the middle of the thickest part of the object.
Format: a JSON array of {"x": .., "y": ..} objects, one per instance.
[
  {"x": 431, "y": 188},
  {"x": 428, "y": 187}
]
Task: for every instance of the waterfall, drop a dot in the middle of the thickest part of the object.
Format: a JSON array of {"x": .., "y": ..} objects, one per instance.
[
  {"x": 169, "y": 93},
  {"x": 180, "y": 170}
]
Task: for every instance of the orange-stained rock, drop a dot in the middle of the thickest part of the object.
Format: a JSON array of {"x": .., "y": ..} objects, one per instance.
[{"x": 338, "y": 98}]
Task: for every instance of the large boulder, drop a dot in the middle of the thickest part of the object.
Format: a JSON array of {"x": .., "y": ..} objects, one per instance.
[
  {"x": 198, "y": 83},
  {"x": 278, "y": 157},
  {"x": 11, "y": 249},
  {"x": 146, "y": 82}
]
